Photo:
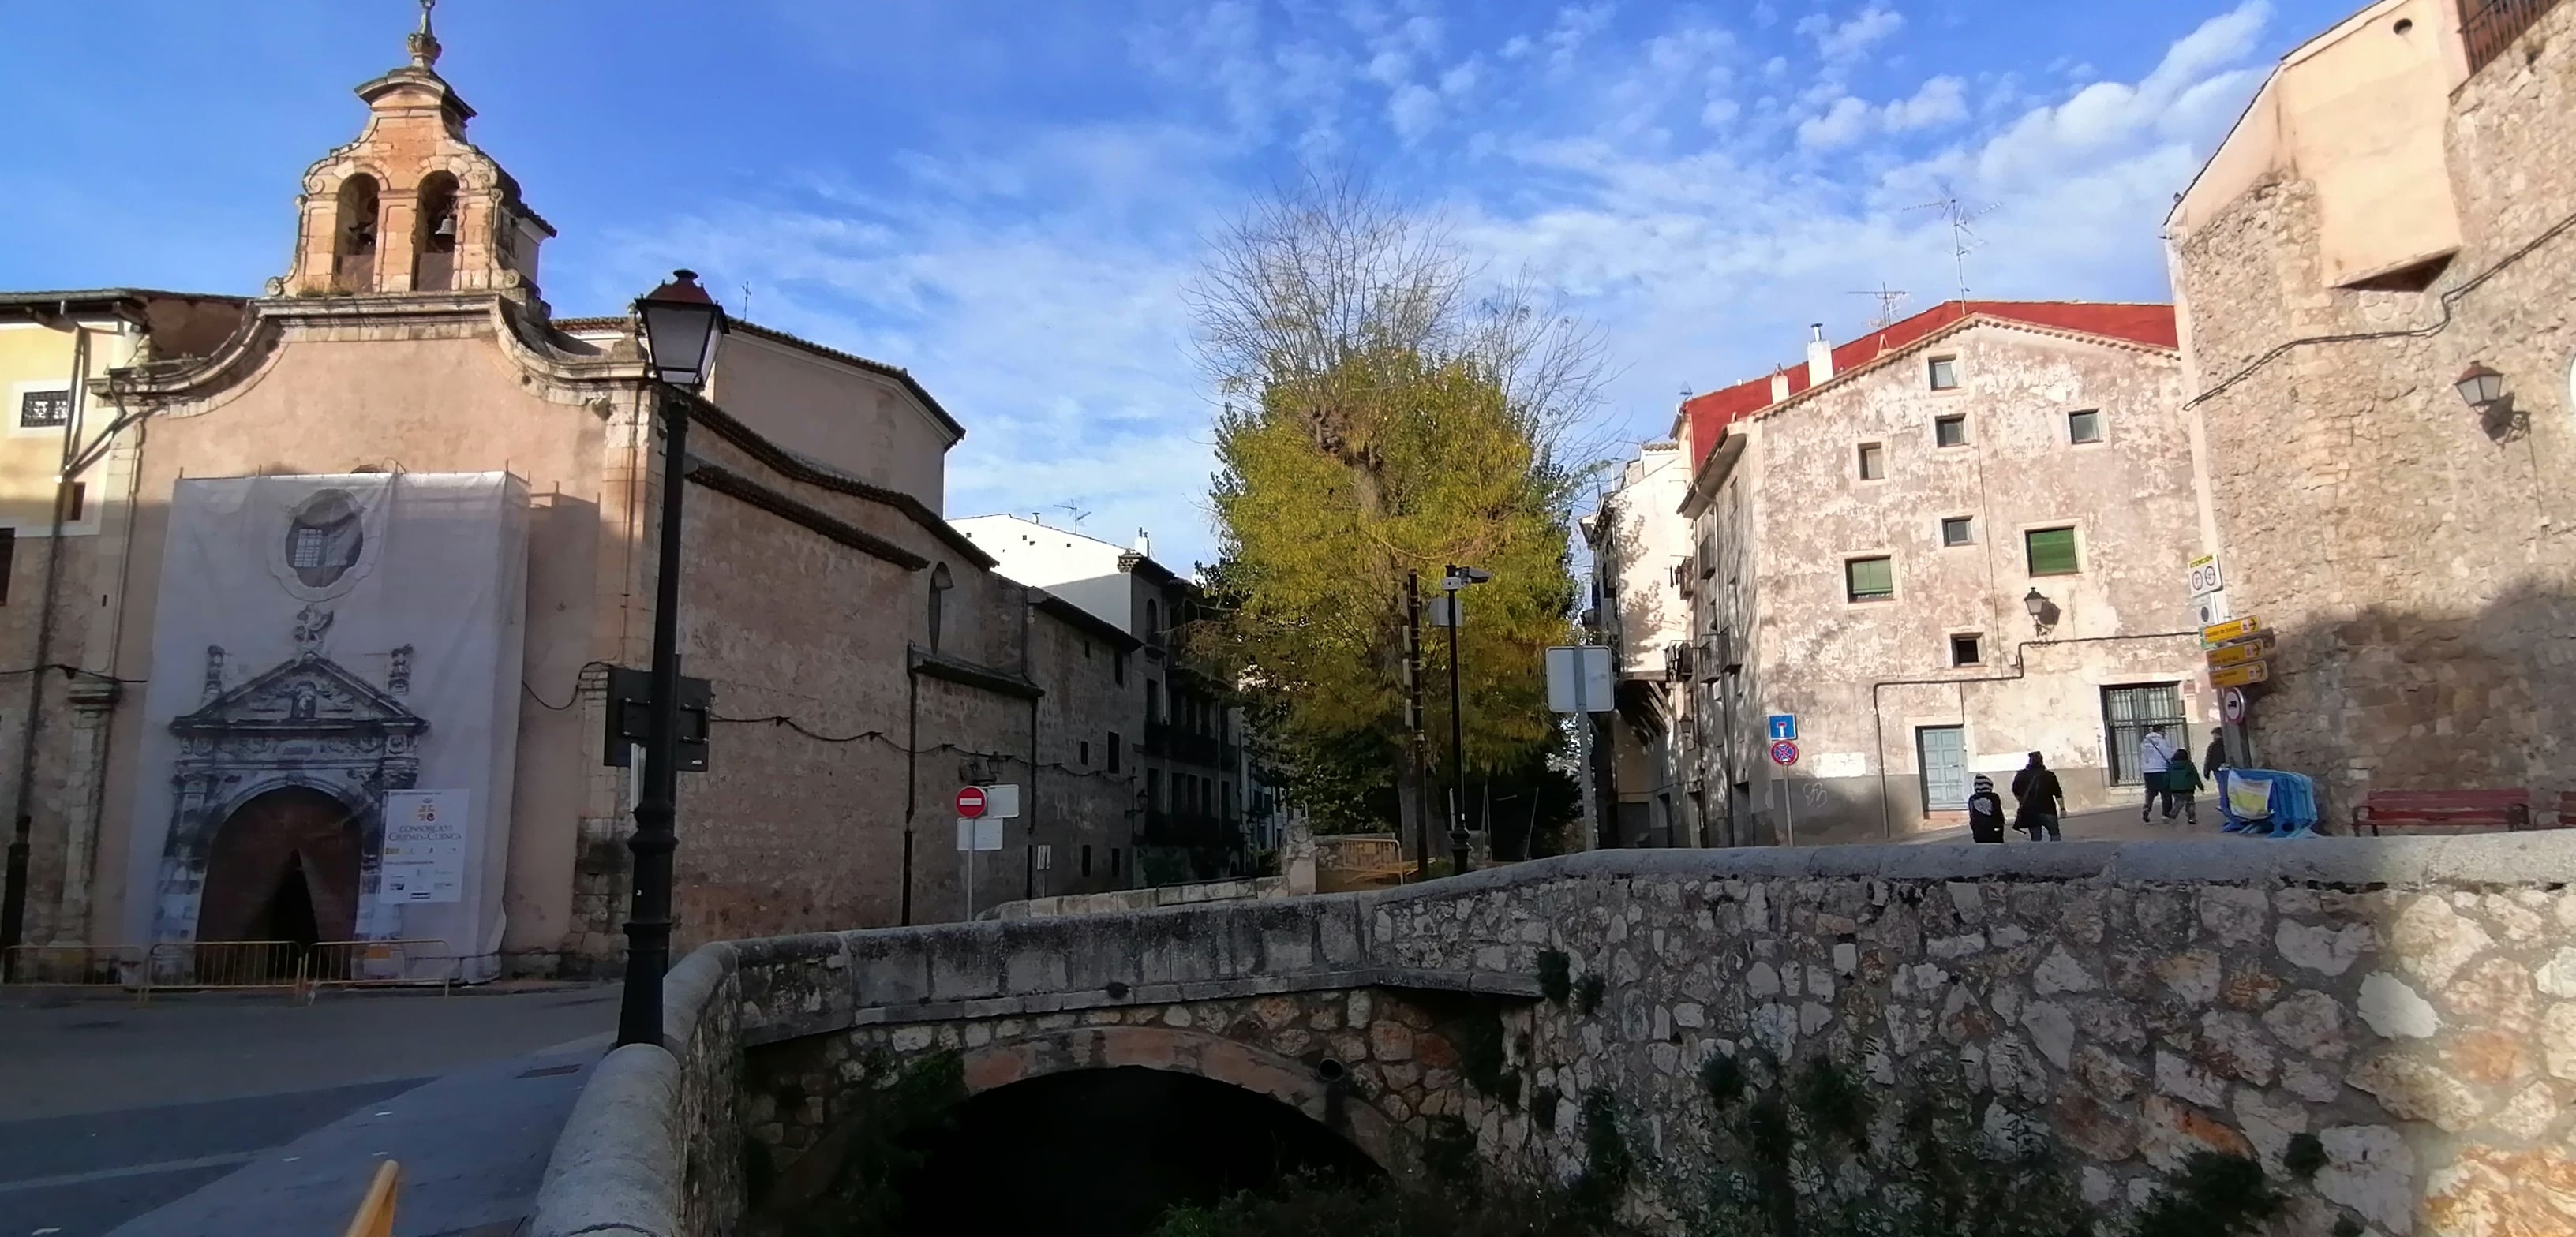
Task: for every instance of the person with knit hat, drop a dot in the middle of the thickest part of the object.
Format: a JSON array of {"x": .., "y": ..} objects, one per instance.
[{"x": 1985, "y": 812}]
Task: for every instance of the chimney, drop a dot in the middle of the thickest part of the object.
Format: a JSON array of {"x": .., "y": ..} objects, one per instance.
[
  {"x": 1820, "y": 356},
  {"x": 1779, "y": 385},
  {"x": 1144, "y": 543}
]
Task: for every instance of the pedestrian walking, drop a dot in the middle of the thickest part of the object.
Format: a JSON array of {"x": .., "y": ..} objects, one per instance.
[
  {"x": 1985, "y": 812},
  {"x": 2042, "y": 801},
  {"x": 2155, "y": 753},
  {"x": 2215, "y": 758},
  {"x": 2183, "y": 781}
]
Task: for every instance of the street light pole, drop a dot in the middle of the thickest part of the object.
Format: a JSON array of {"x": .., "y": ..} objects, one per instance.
[
  {"x": 1457, "y": 741},
  {"x": 680, "y": 324},
  {"x": 1454, "y": 578},
  {"x": 1413, "y": 723}
]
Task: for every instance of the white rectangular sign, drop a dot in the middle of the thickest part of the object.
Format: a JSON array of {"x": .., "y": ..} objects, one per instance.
[
  {"x": 2205, "y": 577},
  {"x": 425, "y": 845},
  {"x": 981, "y": 834},
  {"x": 1002, "y": 801},
  {"x": 1581, "y": 679}
]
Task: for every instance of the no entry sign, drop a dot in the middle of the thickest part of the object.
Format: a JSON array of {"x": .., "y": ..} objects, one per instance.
[{"x": 970, "y": 801}]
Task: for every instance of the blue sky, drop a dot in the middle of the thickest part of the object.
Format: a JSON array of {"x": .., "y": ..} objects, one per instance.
[{"x": 1006, "y": 197}]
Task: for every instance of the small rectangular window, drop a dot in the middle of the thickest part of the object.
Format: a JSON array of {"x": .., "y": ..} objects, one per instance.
[
  {"x": 8, "y": 559},
  {"x": 1086, "y": 753},
  {"x": 2085, "y": 426},
  {"x": 1115, "y": 748},
  {"x": 1873, "y": 462},
  {"x": 44, "y": 409},
  {"x": 1950, "y": 431},
  {"x": 1113, "y": 861},
  {"x": 2051, "y": 551},
  {"x": 75, "y": 501},
  {"x": 1869, "y": 579},
  {"x": 1945, "y": 373},
  {"x": 1118, "y": 668},
  {"x": 1967, "y": 650},
  {"x": 1086, "y": 861},
  {"x": 1958, "y": 530}
]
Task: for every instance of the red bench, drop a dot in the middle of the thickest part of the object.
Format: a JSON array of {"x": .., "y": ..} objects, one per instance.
[{"x": 2445, "y": 809}]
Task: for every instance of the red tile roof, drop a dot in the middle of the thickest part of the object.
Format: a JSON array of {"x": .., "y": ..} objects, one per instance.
[{"x": 2152, "y": 325}]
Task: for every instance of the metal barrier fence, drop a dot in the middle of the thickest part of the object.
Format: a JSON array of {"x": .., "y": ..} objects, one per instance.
[
  {"x": 75, "y": 966},
  {"x": 361, "y": 964},
  {"x": 299, "y": 968},
  {"x": 226, "y": 964}
]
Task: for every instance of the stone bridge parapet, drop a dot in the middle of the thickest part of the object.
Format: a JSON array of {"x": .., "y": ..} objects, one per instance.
[{"x": 2407, "y": 1004}]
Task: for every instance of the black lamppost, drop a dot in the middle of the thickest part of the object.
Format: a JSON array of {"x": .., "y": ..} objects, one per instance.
[
  {"x": 680, "y": 326},
  {"x": 1453, "y": 578}
]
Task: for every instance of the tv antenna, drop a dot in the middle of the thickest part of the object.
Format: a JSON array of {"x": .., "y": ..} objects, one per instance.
[
  {"x": 1963, "y": 239},
  {"x": 1077, "y": 512},
  {"x": 746, "y": 298},
  {"x": 1890, "y": 301}
]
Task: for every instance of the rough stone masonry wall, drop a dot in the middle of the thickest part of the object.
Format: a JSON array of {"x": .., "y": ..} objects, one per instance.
[
  {"x": 2408, "y": 1002},
  {"x": 2413, "y": 555},
  {"x": 2412, "y": 1004}
]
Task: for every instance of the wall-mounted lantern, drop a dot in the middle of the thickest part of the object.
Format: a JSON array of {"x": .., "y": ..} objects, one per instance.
[{"x": 2479, "y": 385}]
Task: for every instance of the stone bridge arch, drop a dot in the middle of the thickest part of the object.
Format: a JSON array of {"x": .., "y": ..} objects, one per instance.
[{"x": 1322, "y": 1088}]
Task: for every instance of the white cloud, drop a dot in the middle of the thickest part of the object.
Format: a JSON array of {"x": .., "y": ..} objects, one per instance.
[
  {"x": 1839, "y": 125},
  {"x": 1412, "y": 110},
  {"x": 1032, "y": 281},
  {"x": 1851, "y": 38},
  {"x": 1941, "y": 101}
]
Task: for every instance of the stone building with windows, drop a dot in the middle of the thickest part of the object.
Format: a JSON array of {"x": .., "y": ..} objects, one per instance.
[
  {"x": 329, "y": 657},
  {"x": 1642, "y": 750},
  {"x": 2395, "y": 210},
  {"x": 1953, "y": 541},
  {"x": 1185, "y": 737}
]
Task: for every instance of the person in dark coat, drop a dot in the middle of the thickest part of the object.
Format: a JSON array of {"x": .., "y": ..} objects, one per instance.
[
  {"x": 2042, "y": 800},
  {"x": 2183, "y": 782},
  {"x": 1985, "y": 812},
  {"x": 2215, "y": 758}
]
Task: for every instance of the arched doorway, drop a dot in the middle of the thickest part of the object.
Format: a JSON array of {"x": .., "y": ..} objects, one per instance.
[
  {"x": 1105, "y": 1152},
  {"x": 283, "y": 867}
]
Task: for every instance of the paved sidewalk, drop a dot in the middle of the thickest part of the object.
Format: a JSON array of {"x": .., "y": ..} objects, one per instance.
[{"x": 110, "y": 1111}]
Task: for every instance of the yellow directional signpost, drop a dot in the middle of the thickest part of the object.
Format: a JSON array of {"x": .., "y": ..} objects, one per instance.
[
  {"x": 2246, "y": 675},
  {"x": 2239, "y": 629},
  {"x": 2237, "y": 651}
]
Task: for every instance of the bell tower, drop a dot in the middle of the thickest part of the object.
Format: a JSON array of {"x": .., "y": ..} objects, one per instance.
[{"x": 411, "y": 206}]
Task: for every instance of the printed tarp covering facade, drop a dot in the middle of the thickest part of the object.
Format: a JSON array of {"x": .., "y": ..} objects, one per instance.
[{"x": 332, "y": 719}]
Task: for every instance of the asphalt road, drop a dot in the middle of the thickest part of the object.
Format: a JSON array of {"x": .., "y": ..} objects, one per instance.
[{"x": 161, "y": 1115}]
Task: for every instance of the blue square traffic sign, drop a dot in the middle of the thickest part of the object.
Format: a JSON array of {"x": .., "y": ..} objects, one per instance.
[{"x": 1784, "y": 726}]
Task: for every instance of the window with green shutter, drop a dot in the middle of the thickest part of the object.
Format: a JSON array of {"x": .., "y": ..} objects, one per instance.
[
  {"x": 1869, "y": 579},
  {"x": 2051, "y": 551}
]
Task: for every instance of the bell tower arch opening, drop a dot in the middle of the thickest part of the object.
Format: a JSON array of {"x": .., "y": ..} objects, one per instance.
[
  {"x": 433, "y": 264},
  {"x": 354, "y": 228}
]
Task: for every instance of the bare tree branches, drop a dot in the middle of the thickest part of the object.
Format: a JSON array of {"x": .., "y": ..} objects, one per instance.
[{"x": 1325, "y": 295}]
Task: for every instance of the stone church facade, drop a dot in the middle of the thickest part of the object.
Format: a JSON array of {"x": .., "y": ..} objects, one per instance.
[{"x": 864, "y": 656}]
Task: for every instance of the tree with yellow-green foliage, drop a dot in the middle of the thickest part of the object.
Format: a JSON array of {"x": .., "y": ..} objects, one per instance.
[{"x": 1384, "y": 418}]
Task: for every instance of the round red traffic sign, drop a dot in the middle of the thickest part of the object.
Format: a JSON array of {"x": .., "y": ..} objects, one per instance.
[
  {"x": 1784, "y": 752},
  {"x": 2231, "y": 700},
  {"x": 970, "y": 801}
]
